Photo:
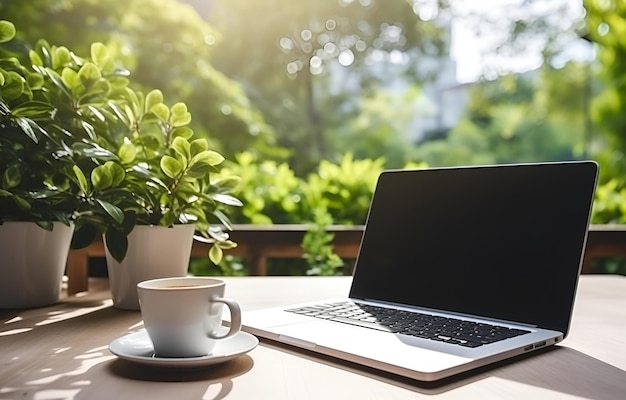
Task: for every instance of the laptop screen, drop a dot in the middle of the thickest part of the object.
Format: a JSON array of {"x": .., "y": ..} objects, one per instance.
[{"x": 503, "y": 242}]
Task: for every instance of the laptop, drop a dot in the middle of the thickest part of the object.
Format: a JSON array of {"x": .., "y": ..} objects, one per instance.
[{"x": 458, "y": 268}]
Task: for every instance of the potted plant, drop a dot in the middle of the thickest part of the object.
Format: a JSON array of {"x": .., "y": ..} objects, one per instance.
[
  {"x": 137, "y": 168},
  {"x": 162, "y": 184},
  {"x": 150, "y": 199},
  {"x": 40, "y": 150}
]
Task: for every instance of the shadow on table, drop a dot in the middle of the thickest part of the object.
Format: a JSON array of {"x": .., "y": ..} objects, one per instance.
[
  {"x": 559, "y": 369},
  {"x": 26, "y": 319},
  {"x": 217, "y": 372},
  {"x": 73, "y": 366},
  {"x": 565, "y": 370},
  {"x": 220, "y": 374}
]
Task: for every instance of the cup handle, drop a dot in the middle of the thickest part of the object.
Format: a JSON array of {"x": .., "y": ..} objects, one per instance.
[{"x": 235, "y": 318}]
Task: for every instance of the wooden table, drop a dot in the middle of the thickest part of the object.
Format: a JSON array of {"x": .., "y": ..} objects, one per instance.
[{"x": 60, "y": 352}]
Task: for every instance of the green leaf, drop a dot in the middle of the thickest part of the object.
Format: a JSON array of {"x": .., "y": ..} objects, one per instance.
[
  {"x": 82, "y": 180},
  {"x": 127, "y": 153},
  {"x": 43, "y": 194},
  {"x": 13, "y": 86},
  {"x": 198, "y": 146},
  {"x": 93, "y": 151},
  {"x": 151, "y": 143},
  {"x": 199, "y": 170},
  {"x": 84, "y": 235},
  {"x": 7, "y": 31},
  {"x": 218, "y": 234},
  {"x": 179, "y": 115},
  {"x": 97, "y": 113},
  {"x": 227, "y": 199},
  {"x": 101, "y": 57},
  {"x": 58, "y": 82},
  {"x": 47, "y": 225},
  {"x": 161, "y": 111},
  {"x": 34, "y": 58},
  {"x": 171, "y": 166},
  {"x": 117, "y": 111},
  {"x": 168, "y": 219},
  {"x": 188, "y": 189},
  {"x": 22, "y": 203},
  {"x": 117, "y": 244},
  {"x": 115, "y": 212},
  {"x": 33, "y": 109},
  {"x": 97, "y": 90},
  {"x": 141, "y": 172},
  {"x": 208, "y": 157},
  {"x": 60, "y": 57},
  {"x": 35, "y": 81},
  {"x": 43, "y": 49},
  {"x": 216, "y": 254},
  {"x": 70, "y": 78},
  {"x": 182, "y": 131},
  {"x": 159, "y": 185},
  {"x": 131, "y": 98},
  {"x": 228, "y": 182},
  {"x": 101, "y": 178},
  {"x": 27, "y": 126},
  {"x": 130, "y": 220},
  {"x": 153, "y": 98},
  {"x": 117, "y": 172},
  {"x": 131, "y": 118},
  {"x": 182, "y": 147},
  {"x": 118, "y": 82},
  {"x": 227, "y": 244},
  {"x": 89, "y": 74},
  {"x": 224, "y": 219},
  {"x": 11, "y": 177}
]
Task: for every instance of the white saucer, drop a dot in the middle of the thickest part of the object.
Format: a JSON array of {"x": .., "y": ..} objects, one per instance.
[{"x": 137, "y": 347}]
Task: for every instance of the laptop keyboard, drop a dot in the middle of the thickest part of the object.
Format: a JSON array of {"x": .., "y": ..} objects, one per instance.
[{"x": 444, "y": 329}]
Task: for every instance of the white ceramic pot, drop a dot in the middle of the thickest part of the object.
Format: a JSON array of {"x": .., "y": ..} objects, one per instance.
[
  {"x": 32, "y": 263},
  {"x": 153, "y": 252}
]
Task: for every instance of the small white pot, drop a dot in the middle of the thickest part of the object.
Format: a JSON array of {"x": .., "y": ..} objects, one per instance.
[
  {"x": 32, "y": 263},
  {"x": 153, "y": 252}
]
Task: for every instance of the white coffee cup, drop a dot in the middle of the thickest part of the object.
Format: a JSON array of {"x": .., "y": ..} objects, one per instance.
[{"x": 183, "y": 315}]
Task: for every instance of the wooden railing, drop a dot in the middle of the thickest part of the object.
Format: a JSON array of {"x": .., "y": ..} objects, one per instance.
[{"x": 258, "y": 243}]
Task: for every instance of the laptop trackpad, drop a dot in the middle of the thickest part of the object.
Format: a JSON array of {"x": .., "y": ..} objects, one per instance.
[
  {"x": 356, "y": 343},
  {"x": 355, "y": 339}
]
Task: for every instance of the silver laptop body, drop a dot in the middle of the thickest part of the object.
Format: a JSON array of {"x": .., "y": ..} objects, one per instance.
[{"x": 497, "y": 245}]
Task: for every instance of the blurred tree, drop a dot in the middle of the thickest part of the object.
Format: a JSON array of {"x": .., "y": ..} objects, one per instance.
[
  {"x": 315, "y": 70},
  {"x": 606, "y": 27},
  {"x": 165, "y": 44},
  {"x": 518, "y": 118},
  {"x": 304, "y": 63},
  {"x": 382, "y": 127}
]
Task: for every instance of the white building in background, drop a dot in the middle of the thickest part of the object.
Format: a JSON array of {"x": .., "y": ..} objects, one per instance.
[
  {"x": 443, "y": 99},
  {"x": 448, "y": 99}
]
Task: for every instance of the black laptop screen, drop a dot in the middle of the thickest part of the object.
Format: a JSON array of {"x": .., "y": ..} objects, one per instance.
[{"x": 503, "y": 242}]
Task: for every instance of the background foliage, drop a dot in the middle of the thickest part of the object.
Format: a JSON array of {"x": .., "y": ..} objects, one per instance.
[
  {"x": 302, "y": 97},
  {"x": 166, "y": 45},
  {"x": 307, "y": 64},
  {"x": 606, "y": 26}
]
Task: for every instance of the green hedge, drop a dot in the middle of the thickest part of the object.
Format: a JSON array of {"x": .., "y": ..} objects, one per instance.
[{"x": 337, "y": 193}]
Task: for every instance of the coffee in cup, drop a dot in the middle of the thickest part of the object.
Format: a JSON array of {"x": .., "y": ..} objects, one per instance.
[{"x": 183, "y": 315}]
